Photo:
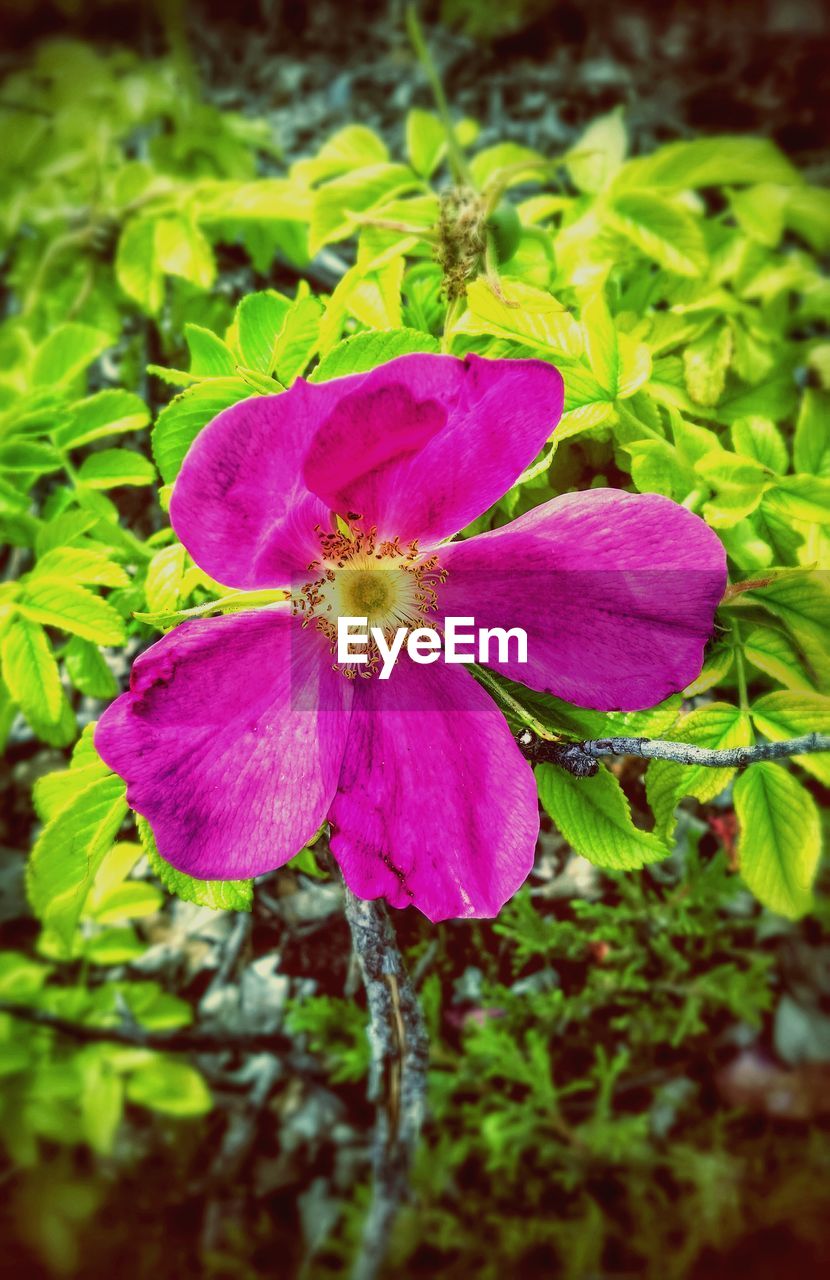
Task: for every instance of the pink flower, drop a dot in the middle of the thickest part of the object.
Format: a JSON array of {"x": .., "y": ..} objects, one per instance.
[{"x": 240, "y": 735}]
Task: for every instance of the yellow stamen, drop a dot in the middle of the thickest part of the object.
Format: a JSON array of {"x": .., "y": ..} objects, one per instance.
[{"x": 390, "y": 584}]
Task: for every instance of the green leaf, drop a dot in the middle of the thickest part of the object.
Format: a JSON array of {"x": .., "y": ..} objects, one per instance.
[
  {"x": 218, "y": 895},
  {"x": 29, "y": 455},
  {"x": 259, "y": 321},
  {"x": 80, "y": 564},
  {"x": 596, "y": 158},
  {"x": 586, "y": 404},
  {"x": 107, "y": 413},
  {"x": 74, "y": 609},
  {"x": 548, "y": 715},
  {"x": 69, "y": 851},
  {"x": 759, "y": 438},
  {"x": 487, "y": 166},
  {"x": 114, "y": 467},
  {"x": 782, "y": 715},
  {"x": 182, "y": 250},
  {"x": 594, "y": 816},
  {"x": 181, "y": 421},
  {"x": 260, "y": 384},
  {"x": 113, "y": 946},
  {"x": 811, "y": 447},
  {"x": 267, "y": 200},
  {"x": 774, "y": 399},
  {"x": 656, "y": 467},
  {"x": 739, "y": 484},
  {"x": 353, "y": 147},
  {"x": 210, "y": 357},
  {"x": 717, "y": 666},
  {"x": 129, "y": 900},
  {"x": 66, "y": 530},
  {"x": 351, "y": 193},
  {"x": 661, "y": 231},
  {"x": 102, "y": 1101},
  {"x": 164, "y": 578},
  {"x": 373, "y": 298},
  {"x": 709, "y": 162},
  {"x": 298, "y": 340},
  {"x": 31, "y": 673},
  {"x": 151, "y": 247},
  {"x": 136, "y": 267},
  {"x": 771, "y": 652},
  {"x": 635, "y": 366},
  {"x": 780, "y": 838},
  {"x": 364, "y": 351},
  {"x": 802, "y": 602},
  {"x": 115, "y": 869},
  {"x": 426, "y": 141},
  {"x": 68, "y": 350},
  {"x": 716, "y": 725},
  {"x": 172, "y": 1087},
  {"x": 759, "y": 211},
  {"x": 807, "y": 212},
  {"x": 706, "y": 362},
  {"x": 54, "y": 791},
  {"x": 800, "y": 498},
  {"x": 87, "y": 669},
  {"x": 20, "y": 977},
  {"x": 601, "y": 343},
  {"x": 529, "y": 317}
]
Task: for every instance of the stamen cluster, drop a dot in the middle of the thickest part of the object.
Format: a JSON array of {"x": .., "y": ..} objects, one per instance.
[{"x": 388, "y": 582}]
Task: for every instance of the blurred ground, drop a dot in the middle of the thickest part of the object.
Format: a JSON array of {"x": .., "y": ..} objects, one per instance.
[
  {"x": 532, "y": 71},
  {"x": 276, "y": 1149}
]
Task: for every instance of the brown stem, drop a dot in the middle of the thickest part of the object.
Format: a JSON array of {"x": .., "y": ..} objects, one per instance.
[{"x": 397, "y": 1074}]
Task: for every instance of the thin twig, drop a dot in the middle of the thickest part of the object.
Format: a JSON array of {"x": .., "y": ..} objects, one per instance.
[
  {"x": 580, "y": 758},
  {"x": 397, "y": 1074},
  {"x": 184, "y": 1041},
  {"x": 458, "y": 161}
]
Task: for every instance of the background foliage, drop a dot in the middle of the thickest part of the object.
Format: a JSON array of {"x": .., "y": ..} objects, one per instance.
[{"x": 625, "y": 1064}]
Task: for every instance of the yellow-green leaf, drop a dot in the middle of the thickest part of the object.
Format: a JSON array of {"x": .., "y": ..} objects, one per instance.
[{"x": 780, "y": 838}]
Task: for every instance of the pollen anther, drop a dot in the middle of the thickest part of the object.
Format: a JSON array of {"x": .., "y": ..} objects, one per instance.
[{"x": 389, "y": 583}]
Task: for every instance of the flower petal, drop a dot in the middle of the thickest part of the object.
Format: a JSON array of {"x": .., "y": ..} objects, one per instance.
[
  {"x": 436, "y": 807},
  {"x": 424, "y": 444},
  {"x": 240, "y": 504},
  {"x": 616, "y": 591},
  {"x": 230, "y": 739}
]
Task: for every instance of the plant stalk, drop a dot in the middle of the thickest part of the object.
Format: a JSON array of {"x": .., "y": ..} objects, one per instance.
[{"x": 397, "y": 1074}]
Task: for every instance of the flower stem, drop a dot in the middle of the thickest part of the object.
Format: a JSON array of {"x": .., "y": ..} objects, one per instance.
[
  {"x": 397, "y": 1073},
  {"x": 458, "y": 163},
  {"x": 450, "y": 317}
]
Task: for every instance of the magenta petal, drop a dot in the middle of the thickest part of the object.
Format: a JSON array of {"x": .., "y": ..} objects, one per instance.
[
  {"x": 436, "y": 807},
  {"x": 240, "y": 504},
  {"x": 616, "y": 591},
  {"x": 230, "y": 739},
  {"x": 422, "y": 445}
]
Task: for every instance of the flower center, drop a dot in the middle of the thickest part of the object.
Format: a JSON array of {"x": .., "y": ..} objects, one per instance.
[
  {"x": 388, "y": 584},
  {"x": 368, "y": 592}
]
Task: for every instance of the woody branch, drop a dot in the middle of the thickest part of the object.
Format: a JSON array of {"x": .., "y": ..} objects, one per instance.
[
  {"x": 580, "y": 758},
  {"x": 397, "y": 1074}
]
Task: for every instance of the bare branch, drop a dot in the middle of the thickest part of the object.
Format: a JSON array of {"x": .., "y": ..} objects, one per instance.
[
  {"x": 184, "y": 1041},
  {"x": 397, "y": 1077},
  {"x": 580, "y": 758}
]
